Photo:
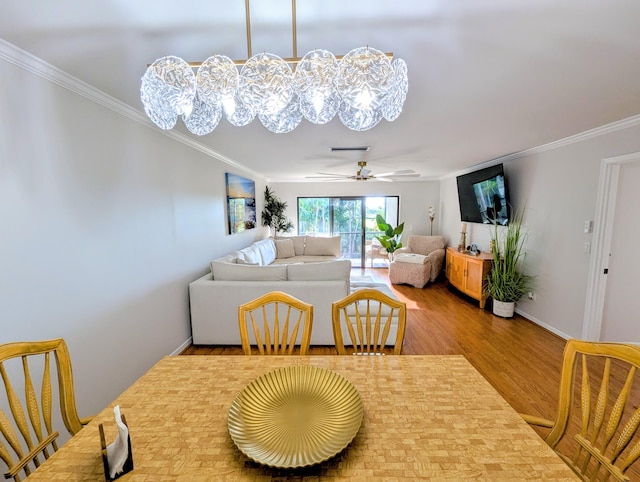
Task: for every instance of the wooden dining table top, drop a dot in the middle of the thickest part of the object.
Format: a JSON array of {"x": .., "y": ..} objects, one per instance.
[{"x": 430, "y": 417}]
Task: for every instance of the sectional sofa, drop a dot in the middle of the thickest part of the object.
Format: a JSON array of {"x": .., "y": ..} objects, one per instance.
[{"x": 306, "y": 267}]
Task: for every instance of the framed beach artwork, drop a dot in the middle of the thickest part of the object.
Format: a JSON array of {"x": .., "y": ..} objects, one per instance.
[{"x": 241, "y": 203}]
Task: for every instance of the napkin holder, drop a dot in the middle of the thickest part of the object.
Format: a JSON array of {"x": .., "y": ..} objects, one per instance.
[{"x": 128, "y": 465}]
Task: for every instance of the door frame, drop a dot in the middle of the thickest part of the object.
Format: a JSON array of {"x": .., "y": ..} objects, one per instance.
[{"x": 602, "y": 234}]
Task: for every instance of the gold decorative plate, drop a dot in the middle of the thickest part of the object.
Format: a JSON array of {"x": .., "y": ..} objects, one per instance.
[{"x": 295, "y": 416}]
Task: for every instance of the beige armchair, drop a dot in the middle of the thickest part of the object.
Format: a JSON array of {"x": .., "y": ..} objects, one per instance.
[{"x": 418, "y": 275}]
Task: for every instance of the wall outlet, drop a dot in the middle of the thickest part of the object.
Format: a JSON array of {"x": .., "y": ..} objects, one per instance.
[
  {"x": 531, "y": 296},
  {"x": 588, "y": 227},
  {"x": 587, "y": 247}
]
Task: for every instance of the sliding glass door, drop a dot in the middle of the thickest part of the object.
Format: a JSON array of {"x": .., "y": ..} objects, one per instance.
[
  {"x": 353, "y": 218},
  {"x": 347, "y": 223}
]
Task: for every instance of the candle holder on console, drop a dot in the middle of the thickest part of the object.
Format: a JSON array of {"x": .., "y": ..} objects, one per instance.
[{"x": 462, "y": 244}]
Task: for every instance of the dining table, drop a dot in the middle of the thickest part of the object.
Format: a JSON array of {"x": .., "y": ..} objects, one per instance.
[{"x": 424, "y": 417}]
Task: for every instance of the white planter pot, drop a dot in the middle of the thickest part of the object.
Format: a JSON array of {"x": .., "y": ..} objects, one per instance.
[{"x": 503, "y": 308}]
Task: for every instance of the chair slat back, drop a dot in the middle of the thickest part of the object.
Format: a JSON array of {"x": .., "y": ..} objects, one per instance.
[
  {"x": 367, "y": 316},
  {"x": 275, "y": 319},
  {"x": 595, "y": 395},
  {"x": 30, "y": 415}
]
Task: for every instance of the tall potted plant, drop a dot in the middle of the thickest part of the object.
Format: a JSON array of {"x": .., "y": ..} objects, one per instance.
[
  {"x": 390, "y": 240},
  {"x": 506, "y": 283},
  {"x": 273, "y": 213}
]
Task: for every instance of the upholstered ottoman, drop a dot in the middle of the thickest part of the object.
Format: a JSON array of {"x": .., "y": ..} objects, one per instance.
[{"x": 410, "y": 273}]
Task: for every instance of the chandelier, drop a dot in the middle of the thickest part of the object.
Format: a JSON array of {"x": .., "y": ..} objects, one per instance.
[{"x": 361, "y": 88}]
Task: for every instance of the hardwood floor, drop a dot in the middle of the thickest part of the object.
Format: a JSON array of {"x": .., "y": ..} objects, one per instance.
[{"x": 519, "y": 358}]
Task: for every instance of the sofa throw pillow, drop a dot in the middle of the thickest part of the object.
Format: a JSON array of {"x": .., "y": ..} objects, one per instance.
[
  {"x": 250, "y": 255},
  {"x": 324, "y": 271},
  {"x": 298, "y": 243},
  {"x": 267, "y": 250},
  {"x": 319, "y": 246},
  {"x": 241, "y": 272},
  {"x": 284, "y": 248}
]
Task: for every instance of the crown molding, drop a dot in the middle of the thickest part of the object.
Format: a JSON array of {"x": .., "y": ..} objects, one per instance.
[
  {"x": 30, "y": 63},
  {"x": 632, "y": 121},
  {"x": 36, "y": 66}
]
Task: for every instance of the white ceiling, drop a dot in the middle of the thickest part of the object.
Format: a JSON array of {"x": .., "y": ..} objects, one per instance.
[{"x": 486, "y": 77}]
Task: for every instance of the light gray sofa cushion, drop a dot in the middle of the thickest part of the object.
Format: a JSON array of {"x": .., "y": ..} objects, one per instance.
[
  {"x": 319, "y": 246},
  {"x": 241, "y": 272},
  {"x": 323, "y": 271}
]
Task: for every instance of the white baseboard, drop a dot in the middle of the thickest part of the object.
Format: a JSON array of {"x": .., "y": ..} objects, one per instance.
[
  {"x": 180, "y": 349},
  {"x": 543, "y": 325}
]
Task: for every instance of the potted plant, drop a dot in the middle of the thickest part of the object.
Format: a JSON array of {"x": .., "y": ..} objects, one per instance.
[
  {"x": 506, "y": 283},
  {"x": 390, "y": 240},
  {"x": 273, "y": 213}
]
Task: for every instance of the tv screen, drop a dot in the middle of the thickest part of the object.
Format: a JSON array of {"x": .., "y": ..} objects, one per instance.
[{"x": 484, "y": 197}]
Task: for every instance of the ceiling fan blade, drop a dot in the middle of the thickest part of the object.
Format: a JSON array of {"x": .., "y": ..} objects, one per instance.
[
  {"x": 333, "y": 174},
  {"x": 365, "y": 172},
  {"x": 322, "y": 175},
  {"x": 404, "y": 172},
  {"x": 413, "y": 174},
  {"x": 385, "y": 179}
]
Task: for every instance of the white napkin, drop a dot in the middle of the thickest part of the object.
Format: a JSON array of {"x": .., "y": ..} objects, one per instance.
[{"x": 118, "y": 451}]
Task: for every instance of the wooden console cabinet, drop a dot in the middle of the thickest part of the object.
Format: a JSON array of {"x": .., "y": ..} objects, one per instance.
[{"x": 467, "y": 272}]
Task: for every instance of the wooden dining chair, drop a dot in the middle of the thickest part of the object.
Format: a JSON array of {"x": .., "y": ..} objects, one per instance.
[
  {"x": 602, "y": 421},
  {"x": 367, "y": 316},
  {"x": 276, "y": 320},
  {"x": 32, "y": 414}
]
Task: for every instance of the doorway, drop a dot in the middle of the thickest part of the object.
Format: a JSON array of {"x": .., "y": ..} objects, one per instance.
[
  {"x": 609, "y": 235},
  {"x": 353, "y": 218}
]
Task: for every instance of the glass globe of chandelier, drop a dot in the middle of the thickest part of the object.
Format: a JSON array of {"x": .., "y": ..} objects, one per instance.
[{"x": 361, "y": 88}]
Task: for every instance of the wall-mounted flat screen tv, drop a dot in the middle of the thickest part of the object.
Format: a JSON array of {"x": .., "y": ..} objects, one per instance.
[{"x": 484, "y": 197}]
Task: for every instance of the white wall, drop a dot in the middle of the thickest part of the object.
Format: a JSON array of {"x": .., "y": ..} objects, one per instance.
[
  {"x": 415, "y": 198},
  {"x": 104, "y": 221},
  {"x": 559, "y": 185}
]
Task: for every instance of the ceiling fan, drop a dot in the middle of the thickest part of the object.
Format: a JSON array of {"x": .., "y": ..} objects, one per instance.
[{"x": 364, "y": 174}]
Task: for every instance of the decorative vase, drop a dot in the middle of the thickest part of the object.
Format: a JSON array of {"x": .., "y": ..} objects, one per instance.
[
  {"x": 391, "y": 256},
  {"x": 503, "y": 308}
]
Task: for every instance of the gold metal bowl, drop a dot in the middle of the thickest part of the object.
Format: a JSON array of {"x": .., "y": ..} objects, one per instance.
[{"x": 295, "y": 416}]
